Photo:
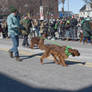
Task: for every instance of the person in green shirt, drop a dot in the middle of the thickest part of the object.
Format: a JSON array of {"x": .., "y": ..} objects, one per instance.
[{"x": 26, "y": 23}]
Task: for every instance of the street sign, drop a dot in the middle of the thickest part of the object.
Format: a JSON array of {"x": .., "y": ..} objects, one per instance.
[
  {"x": 60, "y": 14},
  {"x": 41, "y": 13}
]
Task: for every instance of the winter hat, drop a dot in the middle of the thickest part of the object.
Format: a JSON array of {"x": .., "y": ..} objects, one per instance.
[{"x": 13, "y": 9}]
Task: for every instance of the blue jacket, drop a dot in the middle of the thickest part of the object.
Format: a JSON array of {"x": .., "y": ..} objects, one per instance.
[{"x": 13, "y": 23}]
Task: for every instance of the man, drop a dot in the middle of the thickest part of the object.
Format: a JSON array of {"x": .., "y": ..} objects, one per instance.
[
  {"x": 85, "y": 25},
  {"x": 1, "y": 30},
  {"x": 74, "y": 23},
  {"x": 13, "y": 32},
  {"x": 26, "y": 22}
]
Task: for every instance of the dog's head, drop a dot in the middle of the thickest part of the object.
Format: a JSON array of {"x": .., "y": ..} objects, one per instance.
[
  {"x": 74, "y": 52},
  {"x": 44, "y": 35}
]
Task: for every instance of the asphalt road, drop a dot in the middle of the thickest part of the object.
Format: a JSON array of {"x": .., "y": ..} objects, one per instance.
[{"x": 30, "y": 76}]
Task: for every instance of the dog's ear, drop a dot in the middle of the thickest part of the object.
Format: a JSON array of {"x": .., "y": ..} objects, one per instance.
[
  {"x": 72, "y": 52},
  {"x": 76, "y": 52}
]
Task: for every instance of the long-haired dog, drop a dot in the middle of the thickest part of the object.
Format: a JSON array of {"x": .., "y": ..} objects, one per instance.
[{"x": 59, "y": 53}]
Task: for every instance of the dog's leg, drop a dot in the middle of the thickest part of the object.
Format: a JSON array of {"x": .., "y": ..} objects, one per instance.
[
  {"x": 45, "y": 55},
  {"x": 62, "y": 62},
  {"x": 32, "y": 45},
  {"x": 55, "y": 59}
]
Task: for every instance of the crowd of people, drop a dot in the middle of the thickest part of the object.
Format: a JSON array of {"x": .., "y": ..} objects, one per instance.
[
  {"x": 3, "y": 29},
  {"x": 65, "y": 28}
]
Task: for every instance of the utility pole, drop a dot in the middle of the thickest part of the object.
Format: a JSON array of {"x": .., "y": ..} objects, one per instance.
[
  {"x": 40, "y": 2},
  {"x": 68, "y": 6}
]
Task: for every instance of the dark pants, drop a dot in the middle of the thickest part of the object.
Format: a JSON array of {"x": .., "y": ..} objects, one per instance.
[
  {"x": 25, "y": 41},
  {"x": 15, "y": 41},
  {"x": 52, "y": 32},
  {"x": 5, "y": 33}
]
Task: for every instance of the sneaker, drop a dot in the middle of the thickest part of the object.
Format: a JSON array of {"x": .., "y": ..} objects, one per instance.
[
  {"x": 10, "y": 54},
  {"x": 18, "y": 59}
]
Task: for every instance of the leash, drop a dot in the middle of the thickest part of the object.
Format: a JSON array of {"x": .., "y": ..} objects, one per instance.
[{"x": 53, "y": 42}]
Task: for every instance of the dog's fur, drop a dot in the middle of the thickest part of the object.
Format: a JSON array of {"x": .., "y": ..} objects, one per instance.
[
  {"x": 35, "y": 40},
  {"x": 58, "y": 52}
]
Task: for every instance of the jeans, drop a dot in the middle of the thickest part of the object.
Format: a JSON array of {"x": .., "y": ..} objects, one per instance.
[
  {"x": 74, "y": 33},
  {"x": 67, "y": 33},
  {"x": 52, "y": 33},
  {"x": 37, "y": 31},
  {"x": 15, "y": 41}
]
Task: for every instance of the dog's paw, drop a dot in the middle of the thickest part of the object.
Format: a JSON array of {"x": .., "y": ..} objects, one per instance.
[
  {"x": 65, "y": 65},
  {"x": 41, "y": 62}
]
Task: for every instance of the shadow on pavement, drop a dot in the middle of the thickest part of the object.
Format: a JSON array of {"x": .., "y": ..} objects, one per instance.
[
  {"x": 73, "y": 62},
  {"x": 67, "y": 62},
  {"x": 31, "y": 56},
  {"x": 8, "y": 84},
  {"x": 40, "y": 54}
]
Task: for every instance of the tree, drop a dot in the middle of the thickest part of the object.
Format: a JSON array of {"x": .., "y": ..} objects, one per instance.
[{"x": 87, "y": 1}]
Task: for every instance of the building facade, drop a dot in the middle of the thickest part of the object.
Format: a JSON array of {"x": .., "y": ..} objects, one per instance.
[{"x": 86, "y": 10}]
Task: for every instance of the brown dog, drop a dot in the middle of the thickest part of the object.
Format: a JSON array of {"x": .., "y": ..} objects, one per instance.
[
  {"x": 35, "y": 40},
  {"x": 60, "y": 54},
  {"x": 57, "y": 52}
]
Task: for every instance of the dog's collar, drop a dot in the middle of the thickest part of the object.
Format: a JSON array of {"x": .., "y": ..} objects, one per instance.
[{"x": 67, "y": 50}]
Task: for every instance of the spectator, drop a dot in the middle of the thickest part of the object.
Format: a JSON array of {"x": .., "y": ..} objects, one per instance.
[
  {"x": 35, "y": 23},
  {"x": 67, "y": 26},
  {"x": 5, "y": 29},
  {"x": 86, "y": 30},
  {"x": 1, "y": 36},
  {"x": 26, "y": 27},
  {"x": 74, "y": 22}
]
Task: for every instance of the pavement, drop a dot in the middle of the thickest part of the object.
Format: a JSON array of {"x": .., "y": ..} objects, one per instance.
[{"x": 30, "y": 76}]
